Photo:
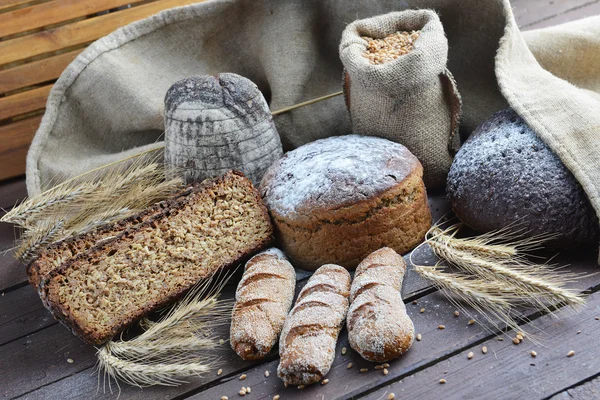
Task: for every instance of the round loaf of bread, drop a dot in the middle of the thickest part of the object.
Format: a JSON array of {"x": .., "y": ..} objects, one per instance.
[
  {"x": 336, "y": 200},
  {"x": 505, "y": 175}
]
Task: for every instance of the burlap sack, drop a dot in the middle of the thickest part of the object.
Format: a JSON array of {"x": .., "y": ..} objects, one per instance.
[
  {"x": 109, "y": 102},
  {"x": 411, "y": 100}
]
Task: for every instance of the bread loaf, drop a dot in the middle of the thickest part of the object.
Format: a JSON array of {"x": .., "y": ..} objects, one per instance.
[
  {"x": 336, "y": 200},
  {"x": 378, "y": 327},
  {"x": 310, "y": 332},
  {"x": 59, "y": 253},
  {"x": 103, "y": 290},
  {"x": 504, "y": 175},
  {"x": 263, "y": 299},
  {"x": 217, "y": 123}
]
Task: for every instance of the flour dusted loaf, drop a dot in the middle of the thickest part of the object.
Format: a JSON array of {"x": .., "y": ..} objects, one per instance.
[
  {"x": 378, "y": 327},
  {"x": 103, "y": 290},
  {"x": 263, "y": 299},
  {"x": 504, "y": 174},
  {"x": 336, "y": 200},
  {"x": 217, "y": 123},
  {"x": 310, "y": 332}
]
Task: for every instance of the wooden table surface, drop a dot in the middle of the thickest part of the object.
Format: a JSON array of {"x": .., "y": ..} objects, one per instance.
[{"x": 40, "y": 359}]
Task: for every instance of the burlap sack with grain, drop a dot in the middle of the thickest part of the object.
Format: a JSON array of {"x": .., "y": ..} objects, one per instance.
[
  {"x": 413, "y": 99},
  {"x": 109, "y": 102}
]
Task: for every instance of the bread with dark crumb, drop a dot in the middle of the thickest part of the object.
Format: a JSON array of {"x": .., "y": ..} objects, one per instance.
[
  {"x": 505, "y": 175},
  {"x": 113, "y": 284},
  {"x": 337, "y": 200}
]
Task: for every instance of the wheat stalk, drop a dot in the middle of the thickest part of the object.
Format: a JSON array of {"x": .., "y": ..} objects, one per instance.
[
  {"x": 91, "y": 200},
  {"x": 492, "y": 301},
  {"x": 174, "y": 347}
]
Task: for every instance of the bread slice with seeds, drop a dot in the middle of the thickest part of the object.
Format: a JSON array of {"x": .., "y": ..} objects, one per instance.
[{"x": 113, "y": 284}]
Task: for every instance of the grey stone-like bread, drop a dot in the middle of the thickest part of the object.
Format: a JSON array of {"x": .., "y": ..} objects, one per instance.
[
  {"x": 214, "y": 124},
  {"x": 504, "y": 174}
]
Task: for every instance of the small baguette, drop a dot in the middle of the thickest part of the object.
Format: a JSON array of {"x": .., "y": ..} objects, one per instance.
[
  {"x": 378, "y": 327},
  {"x": 311, "y": 330},
  {"x": 263, "y": 299}
]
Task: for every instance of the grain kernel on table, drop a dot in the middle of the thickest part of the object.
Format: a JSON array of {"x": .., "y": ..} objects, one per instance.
[
  {"x": 442, "y": 381},
  {"x": 456, "y": 313},
  {"x": 267, "y": 373},
  {"x": 571, "y": 353},
  {"x": 248, "y": 389},
  {"x": 379, "y": 367},
  {"x": 385, "y": 365},
  {"x": 516, "y": 341},
  {"x": 470, "y": 355},
  {"x": 242, "y": 392},
  {"x": 419, "y": 337},
  {"x": 224, "y": 398},
  {"x": 422, "y": 310},
  {"x": 471, "y": 322},
  {"x": 391, "y": 396},
  {"x": 344, "y": 350},
  {"x": 414, "y": 302},
  {"x": 385, "y": 371},
  {"x": 441, "y": 327},
  {"x": 324, "y": 381},
  {"x": 484, "y": 349},
  {"x": 219, "y": 372},
  {"x": 364, "y": 370},
  {"x": 301, "y": 387},
  {"x": 276, "y": 397},
  {"x": 533, "y": 353},
  {"x": 70, "y": 360},
  {"x": 242, "y": 377},
  {"x": 349, "y": 366}
]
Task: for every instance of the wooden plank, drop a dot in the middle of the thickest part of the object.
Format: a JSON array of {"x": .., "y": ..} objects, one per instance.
[
  {"x": 529, "y": 12},
  {"x": 79, "y": 32},
  {"x": 35, "y": 72},
  {"x": 21, "y": 313},
  {"x": 24, "y": 102},
  {"x": 587, "y": 391},
  {"x": 53, "y": 12},
  {"x": 588, "y": 10},
  {"x": 41, "y": 358},
  {"x": 4, "y": 4},
  {"x": 11, "y": 193},
  {"x": 508, "y": 369},
  {"x": 15, "y": 139},
  {"x": 12, "y": 272}
]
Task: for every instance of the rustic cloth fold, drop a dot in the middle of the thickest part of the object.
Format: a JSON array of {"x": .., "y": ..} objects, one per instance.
[{"x": 109, "y": 102}]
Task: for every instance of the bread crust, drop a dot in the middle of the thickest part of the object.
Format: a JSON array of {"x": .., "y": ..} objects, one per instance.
[
  {"x": 379, "y": 328},
  {"x": 397, "y": 218},
  {"x": 310, "y": 333},
  {"x": 263, "y": 299},
  {"x": 91, "y": 336}
]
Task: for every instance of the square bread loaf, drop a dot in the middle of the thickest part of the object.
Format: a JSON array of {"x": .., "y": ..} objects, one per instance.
[{"x": 158, "y": 258}]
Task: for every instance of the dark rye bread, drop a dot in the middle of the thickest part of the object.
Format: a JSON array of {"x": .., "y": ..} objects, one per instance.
[
  {"x": 100, "y": 292},
  {"x": 505, "y": 174},
  {"x": 55, "y": 255}
]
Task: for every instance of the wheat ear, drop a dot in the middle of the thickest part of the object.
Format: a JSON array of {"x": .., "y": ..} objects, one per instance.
[
  {"x": 174, "y": 347},
  {"x": 493, "y": 302}
]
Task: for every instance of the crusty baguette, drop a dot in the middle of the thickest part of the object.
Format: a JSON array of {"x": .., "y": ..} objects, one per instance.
[
  {"x": 378, "y": 327},
  {"x": 310, "y": 332},
  {"x": 263, "y": 299},
  {"x": 113, "y": 284}
]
